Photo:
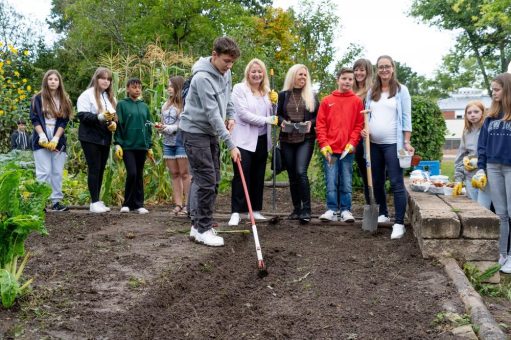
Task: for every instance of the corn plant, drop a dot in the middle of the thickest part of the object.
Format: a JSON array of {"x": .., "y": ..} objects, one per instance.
[{"x": 22, "y": 202}]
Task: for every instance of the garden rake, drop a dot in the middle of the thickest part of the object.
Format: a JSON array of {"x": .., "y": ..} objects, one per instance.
[{"x": 260, "y": 262}]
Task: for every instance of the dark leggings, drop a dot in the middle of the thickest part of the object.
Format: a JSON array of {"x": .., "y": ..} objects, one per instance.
[
  {"x": 96, "y": 156},
  {"x": 134, "y": 190},
  {"x": 254, "y": 166},
  {"x": 296, "y": 157}
]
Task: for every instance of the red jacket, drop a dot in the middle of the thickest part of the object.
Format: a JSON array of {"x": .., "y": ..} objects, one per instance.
[{"x": 339, "y": 120}]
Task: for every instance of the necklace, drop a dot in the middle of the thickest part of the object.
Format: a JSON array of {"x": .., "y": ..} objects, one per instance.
[{"x": 294, "y": 100}]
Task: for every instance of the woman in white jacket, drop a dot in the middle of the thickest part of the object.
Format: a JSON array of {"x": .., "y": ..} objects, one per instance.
[{"x": 252, "y": 135}]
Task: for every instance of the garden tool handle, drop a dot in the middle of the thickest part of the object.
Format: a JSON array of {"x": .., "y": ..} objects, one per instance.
[
  {"x": 247, "y": 197},
  {"x": 367, "y": 142}
]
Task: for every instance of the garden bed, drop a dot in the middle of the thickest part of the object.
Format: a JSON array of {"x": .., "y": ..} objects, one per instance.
[{"x": 138, "y": 276}]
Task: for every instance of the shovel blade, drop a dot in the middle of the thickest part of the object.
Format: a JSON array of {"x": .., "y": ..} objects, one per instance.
[{"x": 370, "y": 217}]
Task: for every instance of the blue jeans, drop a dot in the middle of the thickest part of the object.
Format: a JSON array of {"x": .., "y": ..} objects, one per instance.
[
  {"x": 481, "y": 196},
  {"x": 499, "y": 180},
  {"x": 384, "y": 159},
  {"x": 338, "y": 177}
]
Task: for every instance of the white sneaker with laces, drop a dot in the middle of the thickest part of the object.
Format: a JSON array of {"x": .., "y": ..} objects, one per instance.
[
  {"x": 193, "y": 233},
  {"x": 346, "y": 216},
  {"x": 506, "y": 268},
  {"x": 398, "y": 230},
  {"x": 383, "y": 219},
  {"x": 209, "y": 238},
  {"x": 142, "y": 211},
  {"x": 97, "y": 208},
  {"x": 125, "y": 210},
  {"x": 257, "y": 216},
  {"x": 329, "y": 215},
  {"x": 235, "y": 219},
  {"x": 104, "y": 206}
]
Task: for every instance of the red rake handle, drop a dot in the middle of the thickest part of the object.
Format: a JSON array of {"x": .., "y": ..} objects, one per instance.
[{"x": 247, "y": 197}]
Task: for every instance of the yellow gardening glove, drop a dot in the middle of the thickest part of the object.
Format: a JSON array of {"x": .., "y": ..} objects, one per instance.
[
  {"x": 52, "y": 145},
  {"x": 112, "y": 126},
  {"x": 43, "y": 140},
  {"x": 350, "y": 148},
  {"x": 272, "y": 120},
  {"x": 326, "y": 151},
  {"x": 479, "y": 180},
  {"x": 118, "y": 152},
  {"x": 274, "y": 96},
  {"x": 150, "y": 155},
  {"x": 470, "y": 163},
  {"x": 456, "y": 191}
]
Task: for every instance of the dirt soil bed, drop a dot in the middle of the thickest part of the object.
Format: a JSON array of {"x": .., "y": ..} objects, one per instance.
[{"x": 131, "y": 276}]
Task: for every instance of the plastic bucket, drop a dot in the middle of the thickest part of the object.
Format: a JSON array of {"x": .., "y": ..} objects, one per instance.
[
  {"x": 405, "y": 161},
  {"x": 416, "y": 159}
]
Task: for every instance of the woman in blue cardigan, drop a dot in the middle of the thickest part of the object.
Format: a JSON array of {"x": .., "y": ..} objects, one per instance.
[{"x": 390, "y": 127}]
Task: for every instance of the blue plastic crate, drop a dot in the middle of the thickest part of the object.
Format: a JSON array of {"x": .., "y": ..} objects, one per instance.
[{"x": 433, "y": 167}]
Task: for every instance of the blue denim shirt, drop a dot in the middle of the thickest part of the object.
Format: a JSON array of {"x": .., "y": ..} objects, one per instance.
[{"x": 404, "y": 113}]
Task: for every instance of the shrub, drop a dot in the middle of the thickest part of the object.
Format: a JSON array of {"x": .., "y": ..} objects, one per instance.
[{"x": 429, "y": 128}]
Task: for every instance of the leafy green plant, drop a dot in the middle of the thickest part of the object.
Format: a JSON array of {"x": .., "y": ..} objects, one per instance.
[
  {"x": 429, "y": 128},
  {"x": 476, "y": 278},
  {"x": 22, "y": 202}
]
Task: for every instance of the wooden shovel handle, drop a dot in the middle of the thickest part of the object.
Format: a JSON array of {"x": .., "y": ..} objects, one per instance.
[{"x": 368, "y": 150}]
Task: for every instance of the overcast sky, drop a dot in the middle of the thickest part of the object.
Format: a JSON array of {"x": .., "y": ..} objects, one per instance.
[{"x": 381, "y": 27}]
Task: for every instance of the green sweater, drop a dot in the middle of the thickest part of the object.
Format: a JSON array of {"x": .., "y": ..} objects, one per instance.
[{"x": 134, "y": 128}]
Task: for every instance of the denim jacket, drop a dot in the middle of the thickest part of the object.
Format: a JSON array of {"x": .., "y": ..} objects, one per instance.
[{"x": 404, "y": 113}]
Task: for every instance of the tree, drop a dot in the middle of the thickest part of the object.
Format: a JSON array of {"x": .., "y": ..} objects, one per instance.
[{"x": 481, "y": 35}]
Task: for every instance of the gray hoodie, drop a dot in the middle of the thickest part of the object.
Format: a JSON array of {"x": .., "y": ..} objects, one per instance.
[
  {"x": 468, "y": 147},
  {"x": 208, "y": 102}
]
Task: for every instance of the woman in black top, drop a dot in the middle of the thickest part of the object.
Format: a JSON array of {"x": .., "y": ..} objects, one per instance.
[{"x": 297, "y": 110}]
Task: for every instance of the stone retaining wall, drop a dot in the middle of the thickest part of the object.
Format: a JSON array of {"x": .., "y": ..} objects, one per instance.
[{"x": 448, "y": 226}]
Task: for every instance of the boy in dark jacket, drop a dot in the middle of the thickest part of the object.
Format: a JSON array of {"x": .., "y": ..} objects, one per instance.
[
  {"x": 133, "y": 143},
  {"x": 19, "y": 138}
]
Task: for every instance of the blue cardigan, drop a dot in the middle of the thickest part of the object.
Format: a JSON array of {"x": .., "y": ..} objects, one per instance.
[
  {"x": 494, "y": 141},
  {"x": 37, "y": 118}
]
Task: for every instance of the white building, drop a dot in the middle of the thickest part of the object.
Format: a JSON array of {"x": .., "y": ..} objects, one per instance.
[{"x": 453, "y": 109}]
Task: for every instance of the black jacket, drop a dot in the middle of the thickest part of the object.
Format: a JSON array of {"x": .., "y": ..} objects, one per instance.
[
  {"x": 20, "y": 141},
  {"x": 309, "y": 115},
  {"x": 37, "y": 118}
]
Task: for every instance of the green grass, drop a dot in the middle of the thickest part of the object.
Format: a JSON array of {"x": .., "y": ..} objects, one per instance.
[{"x": 447, "y": 168}]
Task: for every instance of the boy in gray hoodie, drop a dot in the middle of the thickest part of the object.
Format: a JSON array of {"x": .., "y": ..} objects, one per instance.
[{"x": 208, "y": 106}]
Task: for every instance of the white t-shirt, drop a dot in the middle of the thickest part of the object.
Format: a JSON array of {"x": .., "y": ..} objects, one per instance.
[
  {"x": 383, "y": 122},
  {"x": 87, "y": 102}
]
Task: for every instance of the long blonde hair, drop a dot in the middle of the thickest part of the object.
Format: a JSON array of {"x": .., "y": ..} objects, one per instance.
[
  {"x": 504, "y": 105},
  {"x": 264, "y": 87},
  {"x": 102, "y": 72},
  {"x": 471, "y": 126},
  {"x": 307, "y": 94}
]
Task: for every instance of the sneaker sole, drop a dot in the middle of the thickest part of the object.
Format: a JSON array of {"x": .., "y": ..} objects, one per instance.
[
  {"x": 350, "y": 220},
  {"x": 209, "y": 245}
]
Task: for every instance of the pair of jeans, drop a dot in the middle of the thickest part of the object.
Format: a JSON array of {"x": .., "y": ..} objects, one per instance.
[
  {"x": 204, "y": 157},
  {"x": 481, "y": 196},
  {"x": 134, "y": 188},
  {"x": 96, "y": 156},
  {"x": 253, "y": 165},
  {"x": 338, "y": 177},
  {"x": 384, "y": 160},
  {"x": 296, "y": 157},
  {"x": 499, "y": 180}
]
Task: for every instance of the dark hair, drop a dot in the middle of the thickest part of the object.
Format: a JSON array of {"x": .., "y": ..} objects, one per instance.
[
  {"x": 21, "y": 121},
  {"x": 342, "y": 71},
  {"x": 226, "y": 45},
  {"x": 133, "y": 81}
]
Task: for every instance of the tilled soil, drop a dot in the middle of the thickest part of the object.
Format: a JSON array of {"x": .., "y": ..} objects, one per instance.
[{"x": 128, "y": 276}]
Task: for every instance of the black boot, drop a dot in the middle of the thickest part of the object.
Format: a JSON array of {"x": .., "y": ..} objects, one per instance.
[
  {"x": 305, "y": 216},
  {"x": 295, "y": 215}
]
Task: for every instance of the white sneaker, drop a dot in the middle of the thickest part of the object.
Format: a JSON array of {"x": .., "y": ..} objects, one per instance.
[
  {"x": 346, "y": 216},
  {"x": 398, "y": 230},
  {"x": 125, "y": 210},
  {"x": 97, "y": 208},
  {"x": 383, "y": 219},
  {"x": 502, "y": 259},
  {"x": 104, "y": 206},
  {"x": 329, "y": 215},
  {"x": 235, "y": 219},
  {"x": 258, "y": 216},
  {"x": 209, "y": 238},
  {"x": 506, "y": 268},
  {"x": 193, "y": 233},
  {"x": 142, "y": 211}
]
